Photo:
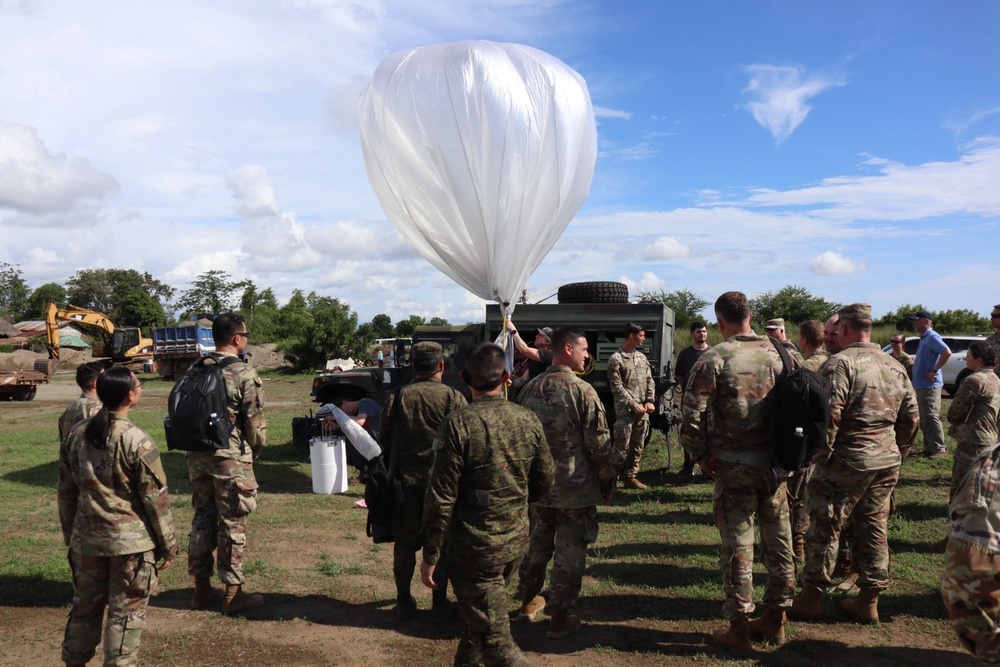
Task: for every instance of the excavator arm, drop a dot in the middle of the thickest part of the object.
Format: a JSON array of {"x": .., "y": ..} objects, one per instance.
[{"x": 54, "y": 314}]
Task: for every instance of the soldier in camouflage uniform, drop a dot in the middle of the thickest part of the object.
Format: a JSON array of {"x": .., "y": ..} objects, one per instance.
[
  {"x": 873, "y": 413},
  {"x": 631, "y": 382},
  {"x": 811, "y": 344},
  {"x": 88, "y": 404},
  {"x": 994, "y": 338},
  {"x": 973, "y": 413},
  {"x": 114, "y": 508},
  {"x": 897, "y": 352},
  {"x": 970, "y": 586},
  {"x": 587, "y": 463},
  {"x": 775, "y": 329},
  {"x": 224, "y": 489},
  {"x": 423, "y": 405},
  {"x": 490, "y": 461},
  {"x": 727, "y": 407}
]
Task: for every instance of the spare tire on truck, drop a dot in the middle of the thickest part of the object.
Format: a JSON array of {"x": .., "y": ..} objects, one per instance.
[{"x": 594, "y": 292}]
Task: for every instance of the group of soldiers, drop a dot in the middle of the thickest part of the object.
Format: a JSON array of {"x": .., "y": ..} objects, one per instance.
[{"x": 114, "y": 504}]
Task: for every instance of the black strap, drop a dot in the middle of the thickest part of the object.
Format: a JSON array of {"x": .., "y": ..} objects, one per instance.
[
  {"x": 786, "y": 359},
  {"x": 394, "y": 439}
]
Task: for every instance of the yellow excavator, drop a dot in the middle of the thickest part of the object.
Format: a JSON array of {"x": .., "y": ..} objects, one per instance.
[{"x": 123, "y": 345}]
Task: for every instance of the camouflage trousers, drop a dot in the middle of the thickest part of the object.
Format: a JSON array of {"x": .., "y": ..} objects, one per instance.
[
  {"x": 630, "y": 437},
  {"x": 838, "y": 493},
  {"x": 484, "y": 606},
  {"x": 965, "y": 456},
  {"x": 123, "y": 584},
  {"x": 561, "y": 535},
  {"x": 795, "y": 487},
  {"x": 224, "y": 493},
  {"x": 742, "y": 493},
  {"x": 407, "y": 541},
  {"x": 971, "y": 592}
]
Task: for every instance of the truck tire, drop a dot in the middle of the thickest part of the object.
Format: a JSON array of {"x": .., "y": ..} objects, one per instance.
[
  {"x": 594, "y": 292},
  {"x": 26, "y": 394}
]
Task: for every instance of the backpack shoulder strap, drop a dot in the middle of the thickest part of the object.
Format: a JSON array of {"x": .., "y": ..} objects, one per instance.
[
  {"x": 397, "y": 409},
  {"x": 786, "y": 359}
]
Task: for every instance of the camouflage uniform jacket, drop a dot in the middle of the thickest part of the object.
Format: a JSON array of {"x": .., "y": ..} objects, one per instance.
[
  {"x": 424, "y": 403},
  {"x": 873, "y": 408},
  {"x": 576, "y": 429},
  {"x": 490, "y": 461},
  {"x": 114, "y": 501},
  {"x": 905, "y": 359},
  {"x": 80, "y": 409},
  {"x": 815, "y": 360},
  {"x": 631, "y": 380},
  {"x": 245, "y": 407},
  {"x": 994, "y": 340},
  {"x": 973, "y": 415},
  {"x": 974, "y": 512},
  {"x": 728, "y": 402}
]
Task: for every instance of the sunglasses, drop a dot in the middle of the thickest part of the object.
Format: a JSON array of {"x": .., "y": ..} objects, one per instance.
[
  {"x": 136, "y": 385},
  {"x": 245, "y": 334},
  {"x": 995, "y": 316},
  {"x": 896, "y": 342}
]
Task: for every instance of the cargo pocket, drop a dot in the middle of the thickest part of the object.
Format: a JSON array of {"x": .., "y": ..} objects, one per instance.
[
  {"x": 246, "y": 496},
  {"x": 125, "y": 626}
]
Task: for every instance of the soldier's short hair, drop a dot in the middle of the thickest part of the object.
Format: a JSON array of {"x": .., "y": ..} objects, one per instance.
[
  {"x": 983, "y": 350},
  {"x": 631, "y": 329},
  {"x": 565, "y": 335},
  {"x": 225, "y": 326},
  {"x": 733, "y": 307},
  {"x": 426, "y": 356},
  {"x": 812, "y": 331},
  {"x": 87, "y": 373},
  {"x": 697, "y": 324},
  {"x": 486, "y": 363}
]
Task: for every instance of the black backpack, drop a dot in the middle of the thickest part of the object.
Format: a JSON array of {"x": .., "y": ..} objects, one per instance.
[
  {"x": 801, "y": 415},
  {"x": 383, "y": 488},
  {"x": 197, "y": 416}
]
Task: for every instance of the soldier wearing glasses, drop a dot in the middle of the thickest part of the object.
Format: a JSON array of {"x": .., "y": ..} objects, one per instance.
[{"x": 896, "y": 352}]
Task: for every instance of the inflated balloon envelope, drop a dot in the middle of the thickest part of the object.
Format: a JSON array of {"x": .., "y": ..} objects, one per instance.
[{"x": 480, "y": 154}]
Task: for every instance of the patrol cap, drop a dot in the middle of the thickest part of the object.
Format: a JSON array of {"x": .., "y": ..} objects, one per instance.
[
  {"x": 921, "y": 315},
  {"x": 776, "y": 323},
  {"x": 426, "y": 352},
  {"x": 546, "y": 331},
  {"x": 856, "y": 311}
]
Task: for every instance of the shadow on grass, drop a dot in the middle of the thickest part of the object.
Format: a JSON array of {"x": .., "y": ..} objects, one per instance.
[
  {"x": 914, "y": 511},
  {"x": 821, "y": 652},
  {"x": 34, "y": 591},
  {"x": 45, "y": 475},
  {"x": 659, "y": 575}
]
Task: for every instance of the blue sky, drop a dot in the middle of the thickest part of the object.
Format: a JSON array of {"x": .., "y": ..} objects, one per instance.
[{"x": 851, "y": 148}]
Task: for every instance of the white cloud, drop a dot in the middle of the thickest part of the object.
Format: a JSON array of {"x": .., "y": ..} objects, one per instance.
[
  {"x": 832, "y": 263},
  {"x": 50, "y": 187},
  {"x": 604, "y": 112},
  {"x": 665, "y": 247},
  {"x": 648, "y": 282},
  {"x": 781, "y": 94}
]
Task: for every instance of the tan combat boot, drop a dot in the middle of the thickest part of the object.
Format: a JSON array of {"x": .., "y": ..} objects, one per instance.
[
  {"x": 736, "y": 637},
  {"x": 530, "y": 609},
  {"x": 770, "y": 626},
  {"x": 204, "y": 595},
  {"x": 808, "y": 604},
  {"x": 237, "y": 601},
  {"x": 562, "y": 624},
  {"x": 633, "y": 483},
  {"x": 864, "y": 607}
]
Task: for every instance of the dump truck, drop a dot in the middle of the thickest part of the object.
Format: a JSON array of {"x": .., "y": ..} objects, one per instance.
[{"x": 176, "y": 348}]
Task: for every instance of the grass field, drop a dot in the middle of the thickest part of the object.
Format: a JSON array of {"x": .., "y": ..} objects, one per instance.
[{"x": 652, "y": 594}]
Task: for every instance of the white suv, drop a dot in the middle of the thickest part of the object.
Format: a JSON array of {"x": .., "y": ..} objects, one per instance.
[{"x": 954, "y": 370}]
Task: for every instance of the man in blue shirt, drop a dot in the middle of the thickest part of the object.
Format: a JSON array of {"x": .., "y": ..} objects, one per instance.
[{"x": 932, "y": 353}]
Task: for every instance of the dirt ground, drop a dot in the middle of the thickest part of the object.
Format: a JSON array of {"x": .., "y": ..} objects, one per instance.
[{"x": 352, "y": 623}]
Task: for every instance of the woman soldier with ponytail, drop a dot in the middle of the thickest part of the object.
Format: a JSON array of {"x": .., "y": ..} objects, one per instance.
[{"x": 115, "y": 513}]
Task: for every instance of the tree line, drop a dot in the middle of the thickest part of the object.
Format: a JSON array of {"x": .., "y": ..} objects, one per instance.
[{"x": 308, "y": 329}]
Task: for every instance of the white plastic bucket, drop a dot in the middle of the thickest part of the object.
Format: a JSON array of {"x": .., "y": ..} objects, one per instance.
[{"x": 328, "y": 457}]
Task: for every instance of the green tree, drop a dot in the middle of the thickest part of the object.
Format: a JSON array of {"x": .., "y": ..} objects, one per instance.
[
  {"x": 382, "y": 326},
  {"x": 14, "y": 292},
  {"x": 211, "y": 293},
  {"x": 294, "y": 319},
  {"x": 899, "y": 319},
  {"x": 41, "y": 297},
  {"x": 793, "y": 303},
  {"x": 330, "y": 334},
  {"x": 141, "y": 310},
  {"x": 962, "y": 321},
  {"x": 105, "y": 290},
  {"x": 438, "y": 322},
  {"x": 262, "y": 313},
  {"x": 404, "y": 328},
  {"x": 687, "y": 305}
]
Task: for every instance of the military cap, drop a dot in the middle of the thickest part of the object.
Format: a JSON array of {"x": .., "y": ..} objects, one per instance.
[
  {"x": 776, "y": 323},
  {"x": 546, "y": 331},
  {"x": 856, "y": 311},
  {"x": 426, "y": 352},
  {"x": 921, "y": 315}
]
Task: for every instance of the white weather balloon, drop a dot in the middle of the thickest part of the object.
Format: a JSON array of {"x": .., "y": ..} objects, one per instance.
[{"x": 480, "y": 154}]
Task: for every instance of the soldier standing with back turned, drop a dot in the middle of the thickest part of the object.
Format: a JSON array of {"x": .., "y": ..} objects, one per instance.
[{"x": 423, "y": 406}]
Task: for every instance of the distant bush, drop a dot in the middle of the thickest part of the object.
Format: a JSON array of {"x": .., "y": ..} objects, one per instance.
[{"x": 6, "y": 348}]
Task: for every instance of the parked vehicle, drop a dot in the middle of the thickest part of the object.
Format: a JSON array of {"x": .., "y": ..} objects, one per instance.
[
  {"x": 20, "y": 385},
  {"x": 954, "y": 370},
  {"x": 175, "y": 348}
]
